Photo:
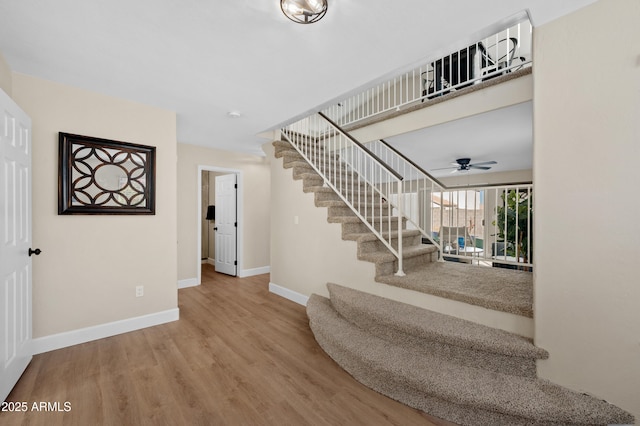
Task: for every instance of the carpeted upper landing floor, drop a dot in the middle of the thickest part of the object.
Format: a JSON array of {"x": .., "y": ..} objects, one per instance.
[{"x": 492, "y": 288}]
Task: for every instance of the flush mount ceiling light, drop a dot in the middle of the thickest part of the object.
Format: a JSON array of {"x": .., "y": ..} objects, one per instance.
[{"x": 304, "y": 11}]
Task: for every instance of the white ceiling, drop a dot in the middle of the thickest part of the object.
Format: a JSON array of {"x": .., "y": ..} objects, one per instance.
[
  {"x": 203, "y": 59},
  {"x": 504, "y": 135}
]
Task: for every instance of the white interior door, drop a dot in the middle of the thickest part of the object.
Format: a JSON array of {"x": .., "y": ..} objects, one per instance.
[
  {"x": 226, "y": 224},
  {"x": 15, "y": 243}
]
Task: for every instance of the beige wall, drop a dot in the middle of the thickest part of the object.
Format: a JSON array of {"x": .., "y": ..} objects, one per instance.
[
  {"x": 255, "y": 201},
  {"x": 586, "y": 155},
  {"x": 90, "y": 265},
  {"x": 302, "y": 253},
  {"x": 5, "y": 76}
]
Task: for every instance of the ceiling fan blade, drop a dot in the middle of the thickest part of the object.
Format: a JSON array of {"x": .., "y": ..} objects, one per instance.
[
  {"x": 483, "y": 163},
  {"x": 445, "y": 168},
  {"x": 473, "y": 166}
]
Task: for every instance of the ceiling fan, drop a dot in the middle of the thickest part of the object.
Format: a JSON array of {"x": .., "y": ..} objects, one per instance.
[{"x": 464, "y": 165}]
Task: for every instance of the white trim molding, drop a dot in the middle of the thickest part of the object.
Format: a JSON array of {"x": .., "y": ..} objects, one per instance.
[
  {"x": 189, "y": 282},
  {"x": 255, "y": 271},
  {"x": 294, "y": 296},
  {"x": 83, "y": 335}
]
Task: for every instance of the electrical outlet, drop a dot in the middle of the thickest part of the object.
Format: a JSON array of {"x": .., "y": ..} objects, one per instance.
[{"x": 139, "y": 291}]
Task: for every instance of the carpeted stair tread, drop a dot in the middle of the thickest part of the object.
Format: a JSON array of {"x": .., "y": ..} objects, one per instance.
[
  {"x": 504, "y": 399},
  {"x": 364, "y": 308},
  {"x": 499, "y": 289}
]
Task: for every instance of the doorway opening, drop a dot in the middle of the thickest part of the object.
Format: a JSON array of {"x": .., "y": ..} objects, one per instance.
[{"x": 219, "y": 219}]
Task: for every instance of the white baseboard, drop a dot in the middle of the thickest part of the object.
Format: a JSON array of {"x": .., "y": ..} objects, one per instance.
[
  {"x": 211, "y": 261},
  {"x": 83, "y": 335},
  {"x": 294, "y": 296},
  {"x": 189, "y": 282},
  {"x": 255, "y": 271}
]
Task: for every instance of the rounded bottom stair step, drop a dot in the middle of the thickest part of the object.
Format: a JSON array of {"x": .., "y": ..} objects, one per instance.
[{"x": 462, "y": 394}]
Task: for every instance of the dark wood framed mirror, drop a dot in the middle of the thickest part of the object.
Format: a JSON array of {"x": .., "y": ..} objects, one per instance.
[{"x": 102, "y": 176}]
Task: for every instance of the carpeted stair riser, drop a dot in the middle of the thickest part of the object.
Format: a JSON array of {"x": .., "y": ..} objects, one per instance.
[
  {"x": 291, "y": 159},
  {"x": 363, "y": 194},
  {"x": 303, "y": 173},
  {"x": 347, "y": 211},
  {"x": 372, "y": 244},
  {"x": 456, "y": 340},
  {"x": 324, "y": 193},
  {"x": 472, "y": 396},
  {"x": 330, "y": 195},
  {"x": 328, "y": 167},
  {"x": 317, "y": 152},
  {"x": 299, "y": 166},
  {"x": 305, "y": 145},
  {"x": 411, "y": 261},
  {"x": 353, "y": 224},
  {"x": 313, "y": 179},
  {"x": 309, "y": 182},
  {"x": 340, "y": 203},
  {"x": 324, "y": 162},
  {"x": 291, "y": 154},
  {"x": 306, "y": 149}
]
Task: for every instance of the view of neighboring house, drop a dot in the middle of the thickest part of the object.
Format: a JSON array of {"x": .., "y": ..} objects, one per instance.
[{"x": 585, "y": 87}]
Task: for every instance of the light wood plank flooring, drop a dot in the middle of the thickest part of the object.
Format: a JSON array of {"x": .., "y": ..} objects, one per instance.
[{"x": 239, "y": 355}]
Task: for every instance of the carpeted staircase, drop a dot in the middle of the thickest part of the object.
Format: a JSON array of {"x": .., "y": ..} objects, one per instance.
[
  {"x": 370, "y": 248},
  {"x": 448, "y": 367}
]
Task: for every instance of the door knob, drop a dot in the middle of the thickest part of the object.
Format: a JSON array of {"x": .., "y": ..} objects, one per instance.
[
  {"x": 215, "y": 229},
  {"x": 36, "y": 251}
]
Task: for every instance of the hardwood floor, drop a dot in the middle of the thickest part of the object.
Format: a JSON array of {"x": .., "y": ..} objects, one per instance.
[{"x": 239, "y": 355}]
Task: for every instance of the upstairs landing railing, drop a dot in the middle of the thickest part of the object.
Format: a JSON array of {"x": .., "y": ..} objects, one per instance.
[
  {"x": 501, "y": 53},
  {"x": 364, "y": 182}
]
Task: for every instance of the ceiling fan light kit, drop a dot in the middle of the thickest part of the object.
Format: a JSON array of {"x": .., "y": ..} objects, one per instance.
[{"x": 304, "y": 11}]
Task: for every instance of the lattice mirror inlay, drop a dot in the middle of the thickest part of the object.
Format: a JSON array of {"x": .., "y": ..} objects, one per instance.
[{"x": 100, "y": 176}]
